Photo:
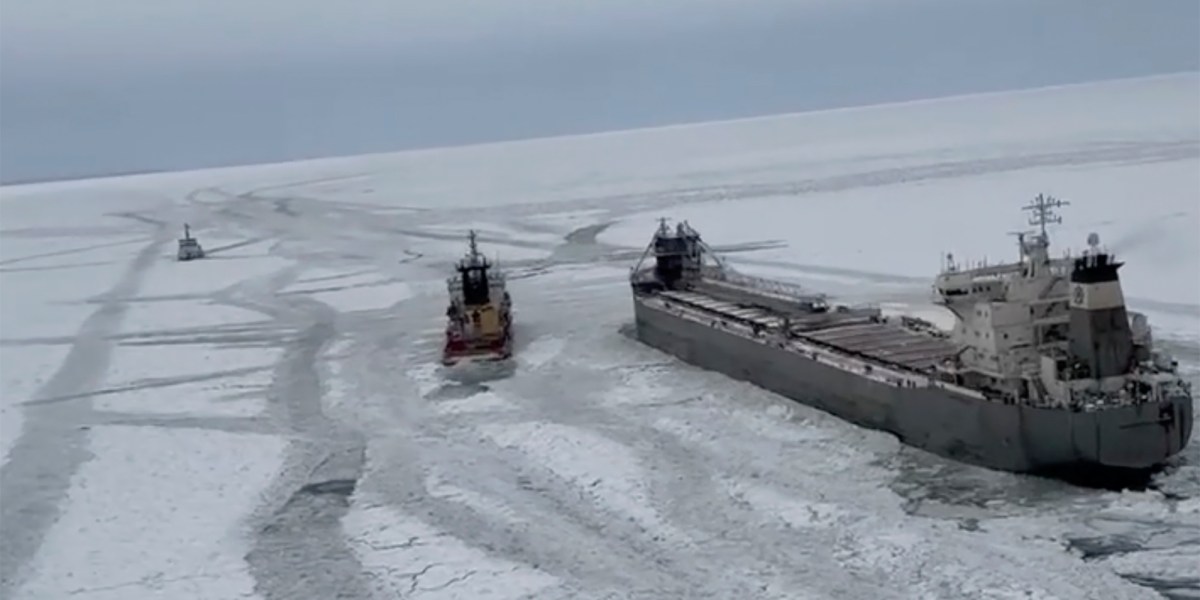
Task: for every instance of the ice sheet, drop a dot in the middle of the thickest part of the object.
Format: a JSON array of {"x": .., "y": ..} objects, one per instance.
[
  {"x": 155, "y": 515},
  {"x": 411, "y": 559}
]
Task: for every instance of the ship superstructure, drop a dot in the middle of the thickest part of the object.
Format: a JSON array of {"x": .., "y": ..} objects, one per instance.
[
  {"x": 189, "y": 247},
  {"x": 1053, "y": 332},
  {"x": 1045, "y": 368},
  {"x": 479, "y": 315}
]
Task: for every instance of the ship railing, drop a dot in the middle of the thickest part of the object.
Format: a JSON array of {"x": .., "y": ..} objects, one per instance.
[
  {"x": 871, "y": 366},
  {"x": 761, "y": 284},
  {"x": 724, "y": 318},
  {"x": 903, "y": 376},
  {"x": 879, "y": 369},
  {"x": 1086, "y": 400}
]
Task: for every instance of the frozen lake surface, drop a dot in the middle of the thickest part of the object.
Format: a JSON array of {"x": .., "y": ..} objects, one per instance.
[{"x": 269, "y": 423}]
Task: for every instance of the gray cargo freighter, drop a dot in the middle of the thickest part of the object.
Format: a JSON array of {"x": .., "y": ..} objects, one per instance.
[{"x": 1044, "y": 370}]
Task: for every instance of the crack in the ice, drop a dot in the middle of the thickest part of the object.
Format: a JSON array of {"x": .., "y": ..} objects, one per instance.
[
  {"x": 9, "y": 261},
  {"x": 149, "y": 383},
  {"x": 257, "y": 425},
  {"x": 213, "y": 334},
  {"x": 415, "y": 578},
  {"x": 154, "y": 581},
  {"x": 58, "y": 267},
  {"x": 412, "y": 542},
  {"x": 688, "y": 400},
  {"x": 338, "y": 288},
  {"x": 453, "y": 581}
]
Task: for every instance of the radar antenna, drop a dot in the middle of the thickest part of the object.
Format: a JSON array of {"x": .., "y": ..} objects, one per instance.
[
  {"x": 1093, "y": 242},
  {"x": 1021, "y": 246},
  {"x": 1042, "y": 208},
  {"x": 474, "y": 246}
]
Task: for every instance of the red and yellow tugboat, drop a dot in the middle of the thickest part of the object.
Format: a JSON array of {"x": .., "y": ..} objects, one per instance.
[{"x": 479, "y": 318}]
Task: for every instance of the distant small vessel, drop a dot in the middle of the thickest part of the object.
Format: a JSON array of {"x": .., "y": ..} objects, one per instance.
[
  {"x": 1044, "y": 371},
  {"x": 479, "y": 317},
  {"x": 189, "y": 247}
]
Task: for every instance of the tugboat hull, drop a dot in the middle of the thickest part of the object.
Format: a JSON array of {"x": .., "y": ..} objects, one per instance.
[{"x": 466, "y": 353}]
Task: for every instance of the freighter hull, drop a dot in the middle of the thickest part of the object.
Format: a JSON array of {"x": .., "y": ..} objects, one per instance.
[{"x": 937, "y": 419}]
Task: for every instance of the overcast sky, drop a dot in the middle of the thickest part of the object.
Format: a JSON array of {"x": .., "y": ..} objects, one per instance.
[{"x": 90, "y": 87}]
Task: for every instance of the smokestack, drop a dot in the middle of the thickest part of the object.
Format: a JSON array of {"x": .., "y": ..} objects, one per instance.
[{"x": 1101, "y": 341}]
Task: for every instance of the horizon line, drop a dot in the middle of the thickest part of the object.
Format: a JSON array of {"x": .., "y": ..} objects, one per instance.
[{"x": 137, "y": 173}]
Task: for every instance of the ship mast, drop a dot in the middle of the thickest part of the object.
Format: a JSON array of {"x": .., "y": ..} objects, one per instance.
[
  {"x": 473, "y": 274},
  {"x": 1042, "y": 208},
  {"x": 1042, "y": 214},
  {"x": 474, "y": 259}
]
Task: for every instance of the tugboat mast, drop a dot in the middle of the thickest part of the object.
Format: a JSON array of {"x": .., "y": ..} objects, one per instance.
[{"x": 474, "y": 246}]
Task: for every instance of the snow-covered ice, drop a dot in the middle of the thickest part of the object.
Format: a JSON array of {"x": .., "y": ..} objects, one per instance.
[
  {"x": 150, "y": 517},
  {"x": 353, "y": 292},
  {"x": 408, "y": 559},
  {"x": 271, "y": 422}
]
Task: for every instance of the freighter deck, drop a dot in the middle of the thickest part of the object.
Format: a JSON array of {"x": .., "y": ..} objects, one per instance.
[
  {"x": 851, "y": 332},
  {"x": 888, "y": 342}
]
